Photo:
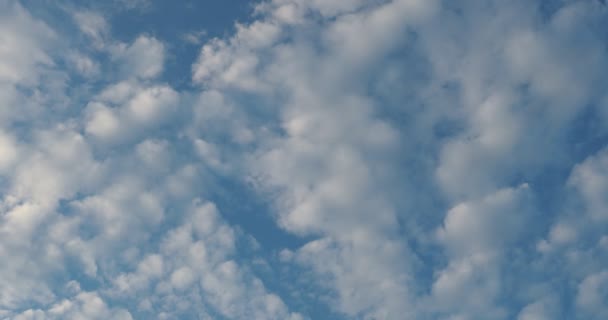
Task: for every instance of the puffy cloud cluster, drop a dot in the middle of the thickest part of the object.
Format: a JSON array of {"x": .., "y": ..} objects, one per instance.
[
  {"x": 100, "y": 215},
  {"x": 420, "y": 142},
  {"x": 431, "y": 159}
]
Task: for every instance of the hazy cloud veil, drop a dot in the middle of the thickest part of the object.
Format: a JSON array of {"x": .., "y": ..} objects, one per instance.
[{"x": 323, "y": 159}]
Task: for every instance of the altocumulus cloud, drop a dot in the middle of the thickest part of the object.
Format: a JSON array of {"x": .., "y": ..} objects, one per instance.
[{"x": 327, "y": 159}]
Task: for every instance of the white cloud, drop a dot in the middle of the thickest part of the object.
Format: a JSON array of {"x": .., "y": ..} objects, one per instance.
[
  {"x": 489, "y": 224},
  {"x": 194, "y": 37},
  {"x": 197, "y": 255},
  {"x": 477, "y": 277},
  {"x": 118, "y": 93},
  {"x": 334, "y": 157},
  {"x": 85, "y": 305},
  {"x": 540, "y": 310},
  {"x": 94, "y": 26},
  {"x": 421, "y": 149},
  {"x": 137, "y": 109},
  {"x": 103, "y": 121},
  {"x": 60, "y": 165},
  {"x": 8, "y": 151},
  {"x": 152, "y": 105},
  {"x": 502, "y": 80},
  {"x": 182, "y": 278},
  {"x": 84, "y": 65},
  {"x": 367, "y": 273},
  {"x": 144, "y": 58},
  {"x": 22, "y": 51},
  {"x": 591, "y": 179},
  {"x": 592, "y": 295}
]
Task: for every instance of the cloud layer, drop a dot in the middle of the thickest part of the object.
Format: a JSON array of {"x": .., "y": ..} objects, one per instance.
[{"x": 342, "y": 159}]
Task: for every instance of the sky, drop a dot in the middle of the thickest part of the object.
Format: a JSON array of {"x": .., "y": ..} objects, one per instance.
[{"x": 304, "y": 159}]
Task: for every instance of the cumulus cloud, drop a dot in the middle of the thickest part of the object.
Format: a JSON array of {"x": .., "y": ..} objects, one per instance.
[
  {"x": 144, "y": 58},
  {"x": 75, "y": 210},
  {"x": 85, "y": 305},
  {"x": 492, "y": 81},
  {"x": 134, "y": 109},
  {"x": 592, "y": 294},
  {"x": 591, "y": 179},
  {"x": 24, "y": 39},
  {"x": 351, "y": 159}
]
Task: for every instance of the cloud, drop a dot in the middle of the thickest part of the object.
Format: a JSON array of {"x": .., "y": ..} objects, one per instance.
[
  {"x": 23, "y": 50},
  {"x": 333, "y": 155},
  {"x": 397, "y": 159},
  {"x": 135, "y": 109},
  {"x": 194, "y": 37},
  {"x": 8, "y": 150},
  {"x": 541, "y": 310},
  {"x": 198, "y": 254},
  {"x": 82, "y": 305},
  {"x": 487, "y": 225},
  {"x": 493, "y": 79},
  {"x": 591, "y": 294},
  {"x": 75, "y": 214},
  {"x": 144, "y": 58},
  {"x": 94, "y": 26},
  {"x": 591, "y": 179},
  {"x": 84, "y": 65},
  {"x": 140, "y": 5}
]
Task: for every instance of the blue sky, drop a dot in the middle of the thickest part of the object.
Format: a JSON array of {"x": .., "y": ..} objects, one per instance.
[{"x": 304, "y": 159}]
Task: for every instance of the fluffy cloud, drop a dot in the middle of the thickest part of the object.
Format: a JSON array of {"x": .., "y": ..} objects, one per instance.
[
  {"x": 84, "y": 305},
  {"x": 76, "y": 212},
  {"x": 23, "y": 40},
  {"x": 135, "y": 109},
  {"x": 144, "y": 58},
  {"x": 403, "y": 159},
  {"x": 195, "y": 266},
  {"x": 481, "y": 105},
  {"x": 592, "y": 294},
  {"x": 489, "y": 224},
  {"x": 591, "y": 179}
]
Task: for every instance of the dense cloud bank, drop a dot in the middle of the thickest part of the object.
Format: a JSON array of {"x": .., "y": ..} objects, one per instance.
[{"x": 343, "y": 159}]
